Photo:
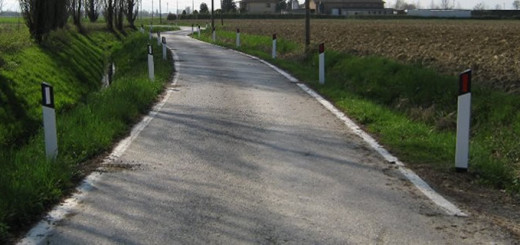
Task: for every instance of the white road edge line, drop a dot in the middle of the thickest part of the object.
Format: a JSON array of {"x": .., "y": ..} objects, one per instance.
[
  {"x": 419, "y": 183},
  {"x": 41, "y": 230}
]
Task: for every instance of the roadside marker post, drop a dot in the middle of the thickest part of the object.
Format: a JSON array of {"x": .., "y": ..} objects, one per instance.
[
  {"x": 151, "y": 35},
  {"x": 158, "y": 39},
  {"x": 141, "y": 29},
  {"x": 274, "y": 46},
  {"x": 463, "y": 122},
  {"x": 198, "y": 30},
  {"x": 238, "y": 38},
  {"x": 214, "y": 36},
  {"x": 49, "y": 121},
  {"x": 164, "y": 48},
  {"x": 151, "y": 73},
  {"x": 322, "y": 63},
  {"x": 192, "y": 29}
]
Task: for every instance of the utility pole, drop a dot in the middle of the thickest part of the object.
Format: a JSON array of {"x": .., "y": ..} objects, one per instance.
[
  {"x": 221, "y": 12},
  {"x": 160, "y": 13},
  {"x": 307, "y": 25},
  {"x": 152, "y": 13},
  {"x": 212, "y": 19}
]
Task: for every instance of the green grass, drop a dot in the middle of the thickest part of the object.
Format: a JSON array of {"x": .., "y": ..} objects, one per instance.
[
  {"x": 408, "y": 108},
  {"x": 30, "y": 184}
]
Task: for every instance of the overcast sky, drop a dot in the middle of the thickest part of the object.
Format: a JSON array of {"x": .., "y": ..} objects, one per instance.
[{"x": 171, "y": 5}]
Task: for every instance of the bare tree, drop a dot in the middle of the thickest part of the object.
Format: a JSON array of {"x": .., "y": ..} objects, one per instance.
[
  {"x": 109, "y": 6},
  {"x": 433, "y": 6},
  {"x": 131, "y": 11},
  {"x": 447, "y": 4},
  {"x": 119, "y": 12},
  {"x": 75, "y": 7},
  {"x": 93, "y": 7},
  {"x": 516, "y": 4},
  {"x": 480, "y": 6}
]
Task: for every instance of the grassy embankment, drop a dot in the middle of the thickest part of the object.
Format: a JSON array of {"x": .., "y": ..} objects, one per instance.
[
  {"x": 410, "y": 109},
  {"x": 89, "y": 118}
]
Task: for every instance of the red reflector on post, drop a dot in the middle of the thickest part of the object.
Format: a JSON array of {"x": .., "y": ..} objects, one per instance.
[
  {"x": 465, "y": 82},
  {"x": 322, "y": 48}
]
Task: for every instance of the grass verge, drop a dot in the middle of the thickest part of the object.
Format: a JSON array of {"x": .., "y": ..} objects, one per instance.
[
  {"x": 29, "y": 183},
  {"x": 410, "y": 109}
]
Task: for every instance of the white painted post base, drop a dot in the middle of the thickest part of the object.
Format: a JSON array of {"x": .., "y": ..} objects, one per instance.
[
  {"x": 198, "y": 31},
  {"x": 214, "y": 35},
  {"x": 151, "y": 72},
  {"x": 164, "y": 54},
  {"x": 158, "y": 39},
  {"x": 49, "y": 129},
  {"x": 463, "y": 127},
  {"x": 322, "y": 68},
  {"x": 238, "y": 39},
  {"x": 274, "y": 49}
]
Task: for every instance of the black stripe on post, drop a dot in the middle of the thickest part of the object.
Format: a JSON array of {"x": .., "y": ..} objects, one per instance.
[
  {"x": 47, "y": 95},
  {"x": 322, "y": 48},
  {"x": 163, "y": 40},
  {"x": 238, "y": 30},
  {"x": 274, "y": 36},
  {"x": 150, "y": 50},
  {"x": 465, "y": 82}
]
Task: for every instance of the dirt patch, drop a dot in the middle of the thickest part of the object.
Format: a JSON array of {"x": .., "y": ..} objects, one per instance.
[{"x": 483, "y": 203}]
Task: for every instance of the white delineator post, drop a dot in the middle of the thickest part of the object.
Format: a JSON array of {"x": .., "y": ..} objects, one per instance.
[
  {"x": 49, "y": 121},
  {"x": 192, "y": 29},
  {"x": 151, "y": 73},
  {"x": 463, "y": 122},
  {"x": 238, "y": 38},
  {"x": 151, "y": 35},
  {"x": 213, "y": 34},
  {"x": 274, "y": 46},
  {"x": 164, "y": 48},
  {"x": 322, "y": 63},
  {"x": 198, "y": 30},
  {"x": 158, "y": 39}
]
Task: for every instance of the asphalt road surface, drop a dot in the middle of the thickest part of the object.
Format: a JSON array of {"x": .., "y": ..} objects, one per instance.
[{"x": 239, "y": 155}]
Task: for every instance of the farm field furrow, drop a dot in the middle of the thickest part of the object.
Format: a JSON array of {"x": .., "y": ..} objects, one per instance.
[{"x": 490, "y": 48}]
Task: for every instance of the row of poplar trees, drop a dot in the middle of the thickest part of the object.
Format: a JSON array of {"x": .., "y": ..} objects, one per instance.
[{"x": 43, "y": 16}]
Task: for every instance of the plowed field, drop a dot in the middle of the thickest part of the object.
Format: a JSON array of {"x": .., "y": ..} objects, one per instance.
[{"x": 490, "y": 48}]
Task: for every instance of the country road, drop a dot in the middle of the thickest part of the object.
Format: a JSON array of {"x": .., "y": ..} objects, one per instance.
[{"x": 240, "y": 155}]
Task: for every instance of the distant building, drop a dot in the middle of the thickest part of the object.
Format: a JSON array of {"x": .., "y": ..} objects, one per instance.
[
  {"x": 259, "y": 6},
  {"x": 331, "y": 7},
  {"x": 351, "y": 7},
  {"x": 450, "y": 13}
]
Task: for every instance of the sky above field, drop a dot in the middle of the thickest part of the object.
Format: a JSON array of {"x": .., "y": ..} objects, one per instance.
[{"x": 171, "y": 5}]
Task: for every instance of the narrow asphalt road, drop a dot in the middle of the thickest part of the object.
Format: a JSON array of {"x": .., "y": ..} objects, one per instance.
[{"x": 239, "y": 155}]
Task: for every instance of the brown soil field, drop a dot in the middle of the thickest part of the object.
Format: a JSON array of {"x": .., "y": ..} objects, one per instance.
[{"x": 490, "y": 47}]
